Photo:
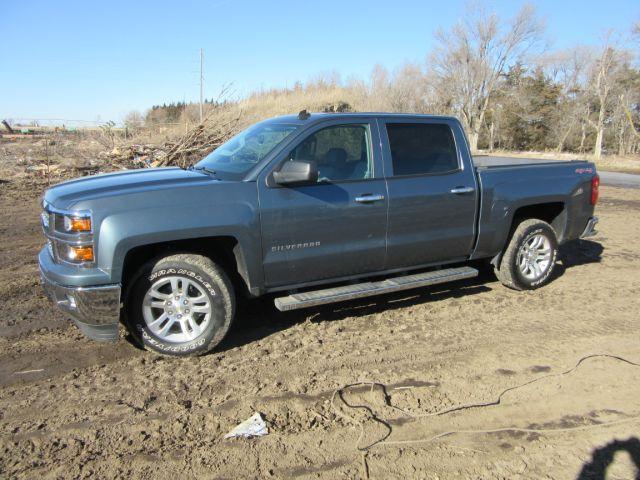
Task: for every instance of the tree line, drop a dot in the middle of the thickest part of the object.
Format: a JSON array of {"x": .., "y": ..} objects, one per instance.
[{"x": 498, "y": 78}]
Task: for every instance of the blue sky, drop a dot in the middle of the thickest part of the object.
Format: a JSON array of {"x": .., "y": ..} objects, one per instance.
[{"x": 98, "y": 60}]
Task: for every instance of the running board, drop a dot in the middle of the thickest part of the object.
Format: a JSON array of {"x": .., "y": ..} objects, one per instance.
[{"x": 368, "y": 289}]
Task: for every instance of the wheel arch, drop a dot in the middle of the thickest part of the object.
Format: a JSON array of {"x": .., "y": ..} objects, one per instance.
[
  {"x": 554, "y": 213},
  {"x": 224, "y": 250}
]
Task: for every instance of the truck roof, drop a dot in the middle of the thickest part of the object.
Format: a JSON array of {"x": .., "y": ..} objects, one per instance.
[{"x": 313, "y": 117}]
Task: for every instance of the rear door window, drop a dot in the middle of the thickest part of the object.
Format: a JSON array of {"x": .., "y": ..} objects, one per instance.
[{"x": 422, "y": 148}]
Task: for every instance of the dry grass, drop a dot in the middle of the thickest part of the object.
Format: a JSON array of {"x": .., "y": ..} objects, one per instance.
[
  {"x": 94, "y": 151},
  {"x": 328, "y": 96},
  {"x": 282, "y": 102}
]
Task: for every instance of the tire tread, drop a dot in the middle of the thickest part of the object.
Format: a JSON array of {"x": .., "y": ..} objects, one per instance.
[
  {"x": 506, "y": 272},
  {"x": 217, "y": 275}
]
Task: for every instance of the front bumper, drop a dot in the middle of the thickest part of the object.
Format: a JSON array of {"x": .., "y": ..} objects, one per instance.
[
  {"x": 95, "y": 310},
  {"x": 590, "y": 229}
]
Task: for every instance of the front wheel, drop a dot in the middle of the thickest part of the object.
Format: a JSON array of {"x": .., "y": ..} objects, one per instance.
[
  {"x": 180, "y": 305},
  {"x": 530, "y": 257}
]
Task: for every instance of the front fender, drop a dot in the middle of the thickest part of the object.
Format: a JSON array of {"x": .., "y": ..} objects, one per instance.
[{"x": 123, "y": 229}]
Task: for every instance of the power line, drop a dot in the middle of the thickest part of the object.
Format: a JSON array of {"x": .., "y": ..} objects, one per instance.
[{"x": 201, "y": 83}]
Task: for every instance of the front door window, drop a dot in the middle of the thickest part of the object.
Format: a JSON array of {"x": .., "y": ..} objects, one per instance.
[{"x": 341, "y": 153}]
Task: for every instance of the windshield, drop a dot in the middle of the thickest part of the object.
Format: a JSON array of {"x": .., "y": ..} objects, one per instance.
[{"x": 233, "y": 159}]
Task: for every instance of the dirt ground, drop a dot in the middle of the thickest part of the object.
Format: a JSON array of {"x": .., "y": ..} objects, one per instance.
[{"x": 72, "y": 408}]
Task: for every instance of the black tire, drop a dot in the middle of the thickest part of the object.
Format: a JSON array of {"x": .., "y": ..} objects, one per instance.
[
  {"x": 509, "y": 271},
  {"x": 209, "y": 280}
]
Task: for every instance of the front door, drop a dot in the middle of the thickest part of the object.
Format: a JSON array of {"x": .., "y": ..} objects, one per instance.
[{"x": 333, "y": 228}]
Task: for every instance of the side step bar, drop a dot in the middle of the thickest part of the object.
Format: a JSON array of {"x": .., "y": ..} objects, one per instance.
[{"x": 367, "y": 289}]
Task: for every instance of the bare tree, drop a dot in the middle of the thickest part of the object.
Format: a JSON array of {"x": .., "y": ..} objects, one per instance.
[
  {"x": 133, "y": 120},
  {"x": 470, "y": 58},
  {"x": 408, "y": 90},
  {"x": 569, "y": 70},
  {"x": 379, "y": 87},
  {"x": 602, "y": 82},
  {"x": 624, "y": 115}
]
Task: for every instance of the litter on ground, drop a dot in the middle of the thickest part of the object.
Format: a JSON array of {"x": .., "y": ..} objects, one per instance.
[{"x": 254, "y": 426}]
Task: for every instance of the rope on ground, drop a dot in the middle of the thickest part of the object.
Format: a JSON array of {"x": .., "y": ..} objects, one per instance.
[{"x": 383, "y": 440}]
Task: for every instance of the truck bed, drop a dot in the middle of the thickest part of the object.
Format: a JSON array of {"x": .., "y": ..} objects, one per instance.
[
  {"x": 508, "y": 184},
  {"x": 489, "y": 161}
]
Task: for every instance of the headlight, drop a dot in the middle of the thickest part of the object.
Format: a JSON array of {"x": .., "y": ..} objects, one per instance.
[
  {"x": 75, "y": 253},
  {"x": 69, "y": 235},
  {"x": 74, "y": 224}
]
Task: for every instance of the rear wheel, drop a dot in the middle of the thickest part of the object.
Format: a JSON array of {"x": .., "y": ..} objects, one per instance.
[
  {"x": 180, "y": 305},
  {"x": 530, "y": 257}
]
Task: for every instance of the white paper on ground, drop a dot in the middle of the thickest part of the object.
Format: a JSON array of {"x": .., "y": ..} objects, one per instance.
[{"x": 254, "y": 426}]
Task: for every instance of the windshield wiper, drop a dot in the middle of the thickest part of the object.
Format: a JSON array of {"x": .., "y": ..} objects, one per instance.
[{"x": 207, "y": 170}]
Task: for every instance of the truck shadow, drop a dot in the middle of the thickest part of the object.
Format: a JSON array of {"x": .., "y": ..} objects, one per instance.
[
  {"x": 603, "y": 457},
  {"x": 576, "y": 253},
  {"x": 258, "y": 318}
]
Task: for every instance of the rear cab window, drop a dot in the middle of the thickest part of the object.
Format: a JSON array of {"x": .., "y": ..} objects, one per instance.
[{"x": 422, "y": 148}]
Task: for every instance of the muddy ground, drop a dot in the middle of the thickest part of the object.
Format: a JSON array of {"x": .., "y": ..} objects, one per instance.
[{"x": 72, "y": 408}]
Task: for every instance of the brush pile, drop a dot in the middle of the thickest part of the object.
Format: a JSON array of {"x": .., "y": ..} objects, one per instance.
[
  {"x": 199, "y": 142},
  {"x": 57, "y": 157},
  {"x": 186, "y": 150}
]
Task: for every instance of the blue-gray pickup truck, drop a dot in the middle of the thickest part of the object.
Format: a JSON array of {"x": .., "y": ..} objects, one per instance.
[{"x": 308, "y": 208}]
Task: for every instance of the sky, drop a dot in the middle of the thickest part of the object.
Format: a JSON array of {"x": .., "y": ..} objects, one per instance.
[{"x": 96, "y": 61}]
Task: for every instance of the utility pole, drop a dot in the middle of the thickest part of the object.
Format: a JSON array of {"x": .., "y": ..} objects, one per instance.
[{"x": 201, "y": 83}]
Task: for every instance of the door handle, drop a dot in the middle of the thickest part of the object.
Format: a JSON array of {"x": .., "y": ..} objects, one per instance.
[
  {"x": 368, "y": 198},
  {"x": 459, "y": 190}
]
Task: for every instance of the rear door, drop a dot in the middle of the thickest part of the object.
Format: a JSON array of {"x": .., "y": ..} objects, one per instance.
[
  {"x": 336, "y": 227},
  {"x": 432, "y": 192}
]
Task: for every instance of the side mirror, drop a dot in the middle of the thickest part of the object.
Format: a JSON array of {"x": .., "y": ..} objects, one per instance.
[{"x": 296, "y": 172}]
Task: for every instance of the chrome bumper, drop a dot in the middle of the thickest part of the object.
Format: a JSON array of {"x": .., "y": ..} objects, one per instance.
[
  {"x": 590, "y": 229},
  {"x": 95, "y": 310}
]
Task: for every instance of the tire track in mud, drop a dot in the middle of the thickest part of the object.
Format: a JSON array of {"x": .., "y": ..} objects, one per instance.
[{"x": 50, "y": 354}]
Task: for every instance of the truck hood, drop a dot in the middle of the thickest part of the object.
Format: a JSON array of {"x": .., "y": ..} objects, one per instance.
[{"x": 65, "y": 195}]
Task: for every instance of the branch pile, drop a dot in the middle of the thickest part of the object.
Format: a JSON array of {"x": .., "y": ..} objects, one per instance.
[
  {"x": 186, "y": 150},
  {"x": 65, "y": 158},
  {"x": 200, "y": 141}
]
